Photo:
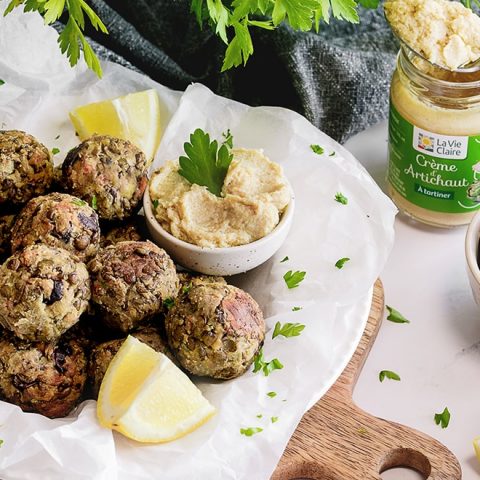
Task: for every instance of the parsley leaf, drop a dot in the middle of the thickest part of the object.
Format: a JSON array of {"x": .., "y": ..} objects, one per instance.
[
  {"x": 57, "y": 137},
  {"x": 259, "y": 415},
  {"x": 259, "y": 363},
  {"x": 155, "y": 203},
  {"x": 340, "y": 263},
  {"x": 274, "y": 419},
  {"x": 78, "y": 202},
  {"x": 272, "y": 394},
  {"x": 94, "y": 202},
  {"x": 228, "y": 138},
  {"x": 296, "y": 309},
  {"x": 340, "y": 198},
  {"x": 332, "y": 154},
  {"x": 442, "y": 419},
  {"x": 55, "y": 150},
  {"x": 293, "y": 279},
  {"x": 369, "y": 3},
  {"x": 168, "y": 303},
  {"x": 317, "y": 149},
  {"x": 248, "y": 432},
  {"x": 285, "y": 259},
  {"x": 2, "y": 82},
  {"x": 388, "y": 374},
  {"x": 205, "y": 163},
  {"x": 299, "y": 13},
  {"x": 395, "y": 316},
  {"x": 287, "y": 330},
  {"x": 186, "y": 288},
  {"x": 1, "y": 442},
  {"x": 346, "y": 10},
  {"x": 240, "y": 47},
  {"x": 71, "y": 40}
]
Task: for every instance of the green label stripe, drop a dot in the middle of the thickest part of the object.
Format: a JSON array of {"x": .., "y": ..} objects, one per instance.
[{"x": 437, "y": 172}]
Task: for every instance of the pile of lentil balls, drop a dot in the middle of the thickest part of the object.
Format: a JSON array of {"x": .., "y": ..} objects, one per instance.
[{"x": 77, "y": 275}]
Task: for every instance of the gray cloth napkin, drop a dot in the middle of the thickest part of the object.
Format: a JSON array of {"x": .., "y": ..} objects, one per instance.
[{"x": 339, "y": 79}]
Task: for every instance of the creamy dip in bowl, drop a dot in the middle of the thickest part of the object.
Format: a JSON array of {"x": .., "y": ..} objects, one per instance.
[{"x": 226, "y": 234}]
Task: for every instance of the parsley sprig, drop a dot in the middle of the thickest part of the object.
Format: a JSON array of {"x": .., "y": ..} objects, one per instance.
[
  {"x": 71, "y": 40},
  {"x": 205, "y": 163},
  {"x": 259, "y": 363},
  {"x": 287, "y": 330},
  {"x": 442, "y": 419},
  {"x": 395, "y": 316},
  {"x": 388, "y": 374},
  {"x": 293, "y": 279},
  {"x": 233, "y": 20}
]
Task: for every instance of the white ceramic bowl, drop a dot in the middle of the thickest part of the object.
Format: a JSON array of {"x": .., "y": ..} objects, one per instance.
[
  {"x": 219, "y": 261},
  {"x": 471, "y": 253}
]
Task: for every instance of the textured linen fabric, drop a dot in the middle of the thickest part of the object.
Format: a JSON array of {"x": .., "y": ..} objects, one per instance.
[{"x": 339, "y": 79}]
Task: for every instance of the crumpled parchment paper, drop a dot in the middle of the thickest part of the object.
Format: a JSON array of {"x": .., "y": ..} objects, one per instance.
[{"x": 40, "y": 89}]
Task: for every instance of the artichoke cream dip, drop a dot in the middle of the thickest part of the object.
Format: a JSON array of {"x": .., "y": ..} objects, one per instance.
[
  {"x": 255, "y": 193},
  {"x": 434, "y": 124}
]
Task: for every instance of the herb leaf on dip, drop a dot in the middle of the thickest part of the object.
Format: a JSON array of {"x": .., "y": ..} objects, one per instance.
[{"x": 205, "y": 163}]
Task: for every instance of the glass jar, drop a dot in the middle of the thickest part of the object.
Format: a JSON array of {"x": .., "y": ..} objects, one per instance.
[{"x": 434, "y": 142}]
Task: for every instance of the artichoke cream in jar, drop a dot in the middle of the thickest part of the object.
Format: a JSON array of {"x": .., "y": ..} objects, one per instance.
[{"x": 434, "y": 123}]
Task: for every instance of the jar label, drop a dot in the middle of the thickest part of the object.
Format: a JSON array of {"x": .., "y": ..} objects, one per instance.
[{"x": 436, "y": 172}]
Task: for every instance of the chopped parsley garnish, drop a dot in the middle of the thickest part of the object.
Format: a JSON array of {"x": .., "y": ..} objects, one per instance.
[
  {"x": 340, "y": 198},
  {"x": 205, "y": 163},
  {"x": 78, "y": 202},
  {"x": 94, "y": 202},
  {"x": 228, "y": 138},
  {"x": 2, "y": 82},
  {"x": 1, "y": 442},
  {"x": 340, "y": 263},
  {"x": 317, "y": 149},
  {"x": 186, "y": 288},
  {"x": 248, "y": 432},
  {"x": 296, "y": 309},
  {"x": 285, "y": 259},
  {"x": 57, "y": 137},
  {"x": 55, "y": 150},
  {"x": 274, "y": 419},
  {"x": 267, "y": 368},
  {"x": 332, "y": 154},
  {"x": 293, "y": 279},
  {"x": 272, "y": 394},
  {"x": 388, "y": 374},
  {"x": 155, "y": 203},
  {"x": 287, "y": 330},
  {"x": 442, "y": 419},
  {"x": 259, "y": 415},
  {"x": 395, "y": 316},
  {"x": 169, "y": 303}
]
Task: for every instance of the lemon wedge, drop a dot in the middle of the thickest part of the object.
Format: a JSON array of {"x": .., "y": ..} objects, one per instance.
[
  {"x": 134, "y": 117},
  {"x": 476, "y": 447},
  {"x": 145, "y": 396}
]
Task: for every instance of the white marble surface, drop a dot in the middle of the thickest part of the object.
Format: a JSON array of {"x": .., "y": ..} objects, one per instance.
[{"x": 437, "y": 355}]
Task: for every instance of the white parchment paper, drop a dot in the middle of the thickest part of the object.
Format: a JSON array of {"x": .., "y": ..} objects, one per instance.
[{"x": 39, "y": 91}]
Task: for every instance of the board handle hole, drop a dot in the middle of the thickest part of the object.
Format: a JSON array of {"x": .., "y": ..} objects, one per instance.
[{"x": 408, "y": 459}]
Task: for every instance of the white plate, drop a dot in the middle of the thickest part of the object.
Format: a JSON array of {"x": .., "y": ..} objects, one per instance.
[{"x": 335, "y": 302}]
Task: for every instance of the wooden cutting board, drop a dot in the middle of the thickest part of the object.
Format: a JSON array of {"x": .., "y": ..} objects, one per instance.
[{"x": 336, "y": 440}]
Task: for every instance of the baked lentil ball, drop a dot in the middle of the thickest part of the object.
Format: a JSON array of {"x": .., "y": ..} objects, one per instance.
[
  {"x": 108, "y": 172},
  {"x": 130, "y": 281},
  {"x": 43, "y": 292},
  {"x": 102, "y": 354},
  {"x": 132, "y": 230},
  {"x": 26, "y": 167},
  {"x": 58, "y": 220},
  {"x": 215, "y": 330},
  {"x": 42, "y": 377},
  {"x": 6, "y": 225}
]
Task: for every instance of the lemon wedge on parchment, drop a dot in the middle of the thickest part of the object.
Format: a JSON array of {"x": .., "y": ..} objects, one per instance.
[
  {"x": 145, "y": 396},
  {"x": 134, "y": 117},
  {"x": 476, "y": 447}
]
